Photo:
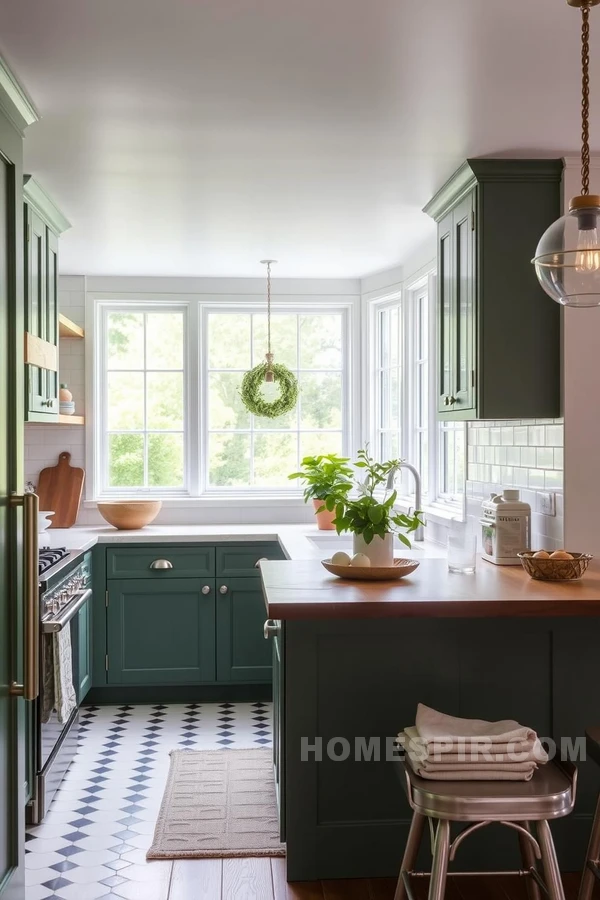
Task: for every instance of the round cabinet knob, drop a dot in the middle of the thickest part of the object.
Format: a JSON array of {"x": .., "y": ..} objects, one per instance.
[
  {"x": 161, "y": 564},
  {"x": 223, "y": 589},
  {"x": 206, "y": 589}
]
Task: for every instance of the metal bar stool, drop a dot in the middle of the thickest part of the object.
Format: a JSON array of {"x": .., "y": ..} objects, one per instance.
[
  {"x": 591, "y": 869},
  {"x": 517, "y": 804}
]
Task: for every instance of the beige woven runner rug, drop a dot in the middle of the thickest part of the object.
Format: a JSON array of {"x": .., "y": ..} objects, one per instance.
[{"x": 218, "y": 803}]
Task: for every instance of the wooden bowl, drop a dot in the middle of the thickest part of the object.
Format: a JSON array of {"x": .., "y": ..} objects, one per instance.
[
  {"x": 400, "y": 568},
  {"x": 129, "y": 515},
  {"x": 555, "y": 569}
]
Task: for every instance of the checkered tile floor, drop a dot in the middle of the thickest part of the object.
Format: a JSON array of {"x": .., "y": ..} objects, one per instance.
[{"x": 92, "y": 844}]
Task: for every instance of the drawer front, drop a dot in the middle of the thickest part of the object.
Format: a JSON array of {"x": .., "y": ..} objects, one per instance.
[
  {"x": 239, "y": 560},
  {"x": 161, "y": 561}
]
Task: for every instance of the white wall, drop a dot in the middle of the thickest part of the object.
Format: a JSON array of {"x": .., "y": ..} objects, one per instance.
[{"x": 581, "y": 377}]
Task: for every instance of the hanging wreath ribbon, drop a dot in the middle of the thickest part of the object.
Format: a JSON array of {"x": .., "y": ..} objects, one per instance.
[{"x": 269, "y": 371}]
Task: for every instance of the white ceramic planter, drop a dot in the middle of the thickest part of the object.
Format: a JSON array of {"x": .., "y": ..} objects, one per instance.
[{"x": 380, "y": 551}]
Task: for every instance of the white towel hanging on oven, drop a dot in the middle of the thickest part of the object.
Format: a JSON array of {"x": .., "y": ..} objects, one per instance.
[{"x": 65, "y": 700}]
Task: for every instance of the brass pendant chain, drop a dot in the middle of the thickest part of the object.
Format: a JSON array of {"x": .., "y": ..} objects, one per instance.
[
  {"x": 585, "y": 98},
  {"x": 269, "y": 355}
]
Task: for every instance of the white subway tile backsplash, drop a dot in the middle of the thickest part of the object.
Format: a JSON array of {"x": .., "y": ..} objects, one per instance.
[
  {"x": 535, "y": 437},
  {"x": 528, "y": 457},
  {"x": 535, "y": 478},
  {"x": 554, "y": 435},
  {"x": 554, "y": 479},
  {"x": 544, "y": 458},
  {"x": 513, "y": 456},
  {"x": 520, "y": 436},
  {"x": 559, "y": 458},
  {"x": 495, "y": 436},
  {"x": 507, "y": 436}
]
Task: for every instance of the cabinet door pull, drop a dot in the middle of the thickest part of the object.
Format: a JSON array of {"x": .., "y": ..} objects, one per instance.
[
  {"x": 161, "y": 564},
  {"x": 270, "y": 629},
  {"x": 206, "y": 589},
  {"x": 258, "y": 562},
  {"x": 223, "y": 589}
]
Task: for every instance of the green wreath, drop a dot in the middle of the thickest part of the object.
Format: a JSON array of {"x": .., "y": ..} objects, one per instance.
[{"x": 253, "y": 399}]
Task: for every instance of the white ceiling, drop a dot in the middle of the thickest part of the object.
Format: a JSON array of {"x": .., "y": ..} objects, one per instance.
[{"x": 195, "y": 137}]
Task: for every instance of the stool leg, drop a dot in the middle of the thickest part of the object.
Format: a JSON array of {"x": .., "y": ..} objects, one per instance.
[
  {"x": 593, "y": 851},
  {"x": 439, "y": 868},
  {"x": 528, "y": 857},
  {"x": 550, "y": 862},
  {"x": 410, "y": 852}
]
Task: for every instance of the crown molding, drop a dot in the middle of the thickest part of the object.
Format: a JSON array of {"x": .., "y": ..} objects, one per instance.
[
  {"x": 38, "y": 199},
  {"x": 14, "y": 100},
  {"x": 574, "y": 162}
]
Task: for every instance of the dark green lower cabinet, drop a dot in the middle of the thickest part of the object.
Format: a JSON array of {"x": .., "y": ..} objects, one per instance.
[
  {"x": 161, "y": 633},
  {"x": 243, "y": 654},
  {"x": 279, "y": 726},
  {"x": 84, "y": 626}
]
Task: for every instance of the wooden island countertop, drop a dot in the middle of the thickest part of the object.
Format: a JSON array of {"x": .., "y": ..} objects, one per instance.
[{"x": 303, "y": 589}]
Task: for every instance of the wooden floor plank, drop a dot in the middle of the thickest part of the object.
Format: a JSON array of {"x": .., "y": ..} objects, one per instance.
[
  {"x": 346, "y": 889},
  {"x": 196, "y": 879},
  {"x": 300, "y": 890},
  {"x": 382, "y": 888},
  {"x": 500, "y": 887},
  {"x": 247, "y": 879}
]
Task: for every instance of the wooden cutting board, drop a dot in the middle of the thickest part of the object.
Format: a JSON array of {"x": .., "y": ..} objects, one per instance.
[{"x": 60, "y": 488}]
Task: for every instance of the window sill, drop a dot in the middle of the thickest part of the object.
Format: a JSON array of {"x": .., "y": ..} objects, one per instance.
[
  {"x": 209, "y": 501},
  {"x": 439, "y": 513}
]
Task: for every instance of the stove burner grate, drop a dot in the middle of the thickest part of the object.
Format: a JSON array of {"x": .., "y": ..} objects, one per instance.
[{"x": 49, "y": 557}]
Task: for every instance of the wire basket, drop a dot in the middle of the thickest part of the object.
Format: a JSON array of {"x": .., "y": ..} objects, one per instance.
[{"x": 555, "y": 569}]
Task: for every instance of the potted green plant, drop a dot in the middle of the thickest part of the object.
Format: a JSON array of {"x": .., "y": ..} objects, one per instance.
[
  {"x": 369, "y": 515},
  {"x": 324, "y": 476}
]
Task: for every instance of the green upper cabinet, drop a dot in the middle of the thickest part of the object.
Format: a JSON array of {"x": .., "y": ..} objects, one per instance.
[
  {"x": 498, "y": 333},
  {"x": 43, "y": 224},
  {"x": 243, "y": 654}
]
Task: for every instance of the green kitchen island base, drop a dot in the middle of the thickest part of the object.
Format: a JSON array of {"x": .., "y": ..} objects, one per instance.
[
  {"x": 356, "y": 684},
  {"x": 351, "y": 665}
]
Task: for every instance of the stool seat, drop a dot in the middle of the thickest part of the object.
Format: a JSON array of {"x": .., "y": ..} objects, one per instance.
[{"x": 550, "y": 794}]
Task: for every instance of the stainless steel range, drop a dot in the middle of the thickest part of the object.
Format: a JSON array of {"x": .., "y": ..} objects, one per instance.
[{"x": 65, "y": 586}]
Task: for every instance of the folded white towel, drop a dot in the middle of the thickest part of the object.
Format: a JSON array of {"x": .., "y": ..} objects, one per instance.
[
  {"x": 437, "y": 728},
  {"x": 471, "y": 774},
  {"x": 65, "y": 700},
  {"x": 468, "y": 751}
]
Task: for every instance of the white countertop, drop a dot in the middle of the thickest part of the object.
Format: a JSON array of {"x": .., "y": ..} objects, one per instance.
[{"x": 295, "y": 540}]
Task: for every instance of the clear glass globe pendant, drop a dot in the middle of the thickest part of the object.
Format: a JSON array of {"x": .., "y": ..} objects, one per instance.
[{"x": 567, "y": 257}]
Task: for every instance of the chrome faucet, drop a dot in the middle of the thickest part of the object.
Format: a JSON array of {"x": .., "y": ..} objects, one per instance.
[{"x": 419, "y": 534}]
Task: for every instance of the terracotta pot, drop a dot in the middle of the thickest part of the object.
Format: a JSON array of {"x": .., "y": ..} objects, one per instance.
[
  {"x": 324, "y": 518},
  {"x": 380, "y": 551}
]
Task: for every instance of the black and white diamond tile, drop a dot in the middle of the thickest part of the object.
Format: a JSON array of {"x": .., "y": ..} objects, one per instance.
[{"x": 92, "y": 844}]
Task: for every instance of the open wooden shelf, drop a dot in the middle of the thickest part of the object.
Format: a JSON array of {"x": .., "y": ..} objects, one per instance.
[
  {"x": 69, "y": 329},
  {"x": 71, "y": 420}
]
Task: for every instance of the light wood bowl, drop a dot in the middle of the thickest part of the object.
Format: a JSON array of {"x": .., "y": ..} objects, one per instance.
[
  {"x": 129, "y": 515},
  {"x": 400, "y": 568}
]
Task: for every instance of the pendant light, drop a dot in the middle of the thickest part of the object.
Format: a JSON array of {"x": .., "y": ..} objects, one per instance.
[
  {"x": 269, "y": 371},
  {"x": 567, "y": 258}
]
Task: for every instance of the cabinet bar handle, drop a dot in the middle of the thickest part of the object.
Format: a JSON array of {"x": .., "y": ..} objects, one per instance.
[
  {"x": 30, "y": 688},
  {"x": 206, "y": 589},
  {"x": 258, "y": 562},
  {"x": 161, "y": 564}
]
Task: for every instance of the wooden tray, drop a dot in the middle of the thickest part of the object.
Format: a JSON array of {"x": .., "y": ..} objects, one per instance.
[{"x": 400, "y": 568}]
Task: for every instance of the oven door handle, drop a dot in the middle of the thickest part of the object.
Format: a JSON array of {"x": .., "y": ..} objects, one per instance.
[{"x": 51, "y": 626}]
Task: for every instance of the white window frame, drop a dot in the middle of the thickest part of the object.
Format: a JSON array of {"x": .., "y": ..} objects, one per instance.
[
  {"x": 196, "y": 308},
  {"x": 405, "y": 295}
]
